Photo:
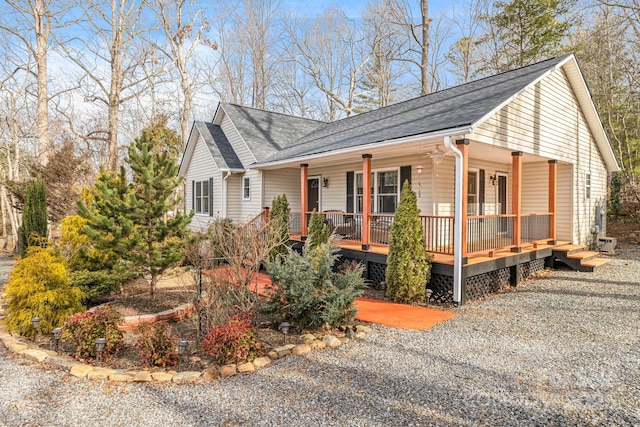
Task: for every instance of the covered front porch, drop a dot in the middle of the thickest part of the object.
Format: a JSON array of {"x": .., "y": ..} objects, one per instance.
[{"x": 468, "y": 192}]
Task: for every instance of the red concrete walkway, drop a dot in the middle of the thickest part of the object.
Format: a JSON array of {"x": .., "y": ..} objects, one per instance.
[{"x": 381, "y": 312}]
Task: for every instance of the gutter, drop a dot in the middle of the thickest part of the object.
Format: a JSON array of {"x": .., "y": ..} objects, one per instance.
[{"x": 457, "y": 223}]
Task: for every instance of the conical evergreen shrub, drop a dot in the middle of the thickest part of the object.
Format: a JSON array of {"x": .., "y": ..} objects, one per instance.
[
  {"x": 34, "y": 216},
  {"x": 278, "y": 227},
  {"x": 408, "y": 264},
  {"x": 318, "y": 231}
]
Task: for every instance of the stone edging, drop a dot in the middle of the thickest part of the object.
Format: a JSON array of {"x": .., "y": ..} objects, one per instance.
[
  {"x": 308, "y": 343},
  {"x": 129, "y": 323}
]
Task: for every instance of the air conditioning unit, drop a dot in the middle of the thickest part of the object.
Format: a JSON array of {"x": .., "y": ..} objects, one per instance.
[{"x": 607, "y": 244}]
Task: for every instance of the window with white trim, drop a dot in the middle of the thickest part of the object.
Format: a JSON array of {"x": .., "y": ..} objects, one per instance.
[
  {"x": 246, "y": 188},
  {"x": 201, "y": 197},
  {"x": 385, "y": 191},
  {"x": 587, "y": 186}
]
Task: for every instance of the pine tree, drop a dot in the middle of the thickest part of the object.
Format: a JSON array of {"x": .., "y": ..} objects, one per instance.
[
  {"x": 34, "y": 216},
  {"x": 278, "y": 227},
  {"x": 408, "y": 264},
  {"x": 318, "y": 231},
  {"x": 131, "y": 219}
]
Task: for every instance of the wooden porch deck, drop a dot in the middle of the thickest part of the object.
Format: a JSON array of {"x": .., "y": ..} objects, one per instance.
[{"x": 447, "y": 259}]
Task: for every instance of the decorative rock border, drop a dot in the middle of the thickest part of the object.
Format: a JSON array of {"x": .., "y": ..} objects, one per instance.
[
  {"x": 130, "y": 323},
  {"x": 308, "y": 343}
]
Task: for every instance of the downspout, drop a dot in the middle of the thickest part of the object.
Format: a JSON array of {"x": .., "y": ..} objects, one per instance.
[
  {"x": 457, "y": 224},
  {"x": 224, "y": 193}
]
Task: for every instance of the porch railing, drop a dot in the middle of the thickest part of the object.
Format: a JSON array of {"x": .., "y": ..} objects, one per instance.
[
  {"x": 535, "y": 226},
  {"x": 489, "y": 232},
  {"x": 438, "y": 233},
  {"x": 484, "y": 232}
]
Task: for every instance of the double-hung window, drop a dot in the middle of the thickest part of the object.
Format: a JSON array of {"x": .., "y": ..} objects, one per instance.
[
  {"x": 587, "y": 186},
  {"x": 201, "y": 197},
  {"x": 473, "y": 193},
  {"x": 385, "y": 191}
]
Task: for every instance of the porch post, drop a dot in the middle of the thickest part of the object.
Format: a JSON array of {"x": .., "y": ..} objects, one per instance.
[
  {"x": 553, "y": 193},
  {"x": 463, "y": 146},
  {"x": 304, "y": 197},
  {"x": 366, "y": 200},
  {"x": 516, "y": 199}
]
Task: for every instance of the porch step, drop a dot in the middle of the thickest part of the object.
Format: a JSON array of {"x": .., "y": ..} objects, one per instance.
[{"x": 579, "y": 259}]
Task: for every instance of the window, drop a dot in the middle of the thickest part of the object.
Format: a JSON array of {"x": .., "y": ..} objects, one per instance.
[
  {"x": 201, "y": 197},
  {"x": 246, "y": 188},
  {"x": 472, "y": 193},
  {"x": 587, "y": 186},
  {"x": 384, "y": 191}
]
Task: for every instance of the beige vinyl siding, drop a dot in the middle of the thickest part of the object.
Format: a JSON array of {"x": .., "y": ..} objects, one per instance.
[
  {"x": 284, "y": 181},
  {"x": 546, "y": 120},
  {"x": 234, "y": 197},
  {"x": 564, "y": 204},
  {"x": 535, "y": 188},
  {"x": 253, "y": 206},
  {"x": 201, "y": 168}
]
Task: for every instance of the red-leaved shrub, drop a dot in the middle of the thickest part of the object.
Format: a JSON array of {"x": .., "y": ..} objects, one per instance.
[
  {"x": 156, "y": 346},
  {"x": 233, "y": 341},
  {"x": 83, "y": 329}
]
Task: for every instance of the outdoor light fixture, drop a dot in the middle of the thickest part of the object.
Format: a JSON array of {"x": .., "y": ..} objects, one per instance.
[
  {"x": 35, "y": 322},
  {"x": 419, "y": 168},
  {"x": 493, "y": 178},
  {"x": 325, "y": 182},
  {"x": 427, "y": 295},
  {"x": 100, "y": 344},
  {"x": 182, "y": 349},
  {"x": 284, "y": 328},
  {"x": 56, "y": 336},
  {"x": 349, "y": 332},
  {"x": 437, "y": 156}
]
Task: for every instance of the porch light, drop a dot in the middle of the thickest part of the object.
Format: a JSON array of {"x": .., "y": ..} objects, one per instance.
[
  {"x": 284, "y": 328},
  {"x": 437, "y": 156},
  {"x": 419, "y": 168},
  {"x": 325, "y": 182}
]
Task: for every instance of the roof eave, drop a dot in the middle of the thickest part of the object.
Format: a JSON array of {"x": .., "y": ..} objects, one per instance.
[{"x": 459, "y": 130}]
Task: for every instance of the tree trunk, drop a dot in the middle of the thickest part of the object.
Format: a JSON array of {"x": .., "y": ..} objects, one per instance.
[
  {"x": 42, "y": 35},
  {"x": 424, "y": 64}
]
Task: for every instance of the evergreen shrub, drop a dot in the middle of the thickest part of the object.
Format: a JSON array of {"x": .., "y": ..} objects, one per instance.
[
  {"x": 34, "y": 216},
  {"x": 39, "y": 286},
  {"x": 308, "y": 292},
  {"x": 408, "y": 263},
  {"x": 278, "y": 227},
  {"x": 318, "y": 232}
]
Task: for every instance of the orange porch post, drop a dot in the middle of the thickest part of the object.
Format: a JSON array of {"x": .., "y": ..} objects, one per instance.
[
  {"x": 516, "y": 199},
  {"x": 366, "y": 199},
  {"x": 463, "y": 146},
  {"x": 304, "y": 197},
  {"x": 553, "y": 194}
]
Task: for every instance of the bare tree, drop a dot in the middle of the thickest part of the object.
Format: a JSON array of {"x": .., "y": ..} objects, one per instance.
[
  {"x": 464, "y": 55},
  {"x": 332, "y": 51},
  {"x": 32, "y": 22},
  {"x": 183, "y": 29},
  {"x": 111, "y": 53}
]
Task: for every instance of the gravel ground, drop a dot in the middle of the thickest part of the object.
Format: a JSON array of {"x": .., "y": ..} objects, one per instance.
[{"x": 562, "y": 350}]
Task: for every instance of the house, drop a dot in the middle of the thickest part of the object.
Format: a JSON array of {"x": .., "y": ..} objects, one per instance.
[{"x": 510, "y": 172}]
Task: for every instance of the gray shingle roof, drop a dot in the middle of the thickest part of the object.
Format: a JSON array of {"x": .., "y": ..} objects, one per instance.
[
  {"x": 267, "y": 133},
  {"x": 448, "y": 109},
  {"x": 219, "y": 146}
]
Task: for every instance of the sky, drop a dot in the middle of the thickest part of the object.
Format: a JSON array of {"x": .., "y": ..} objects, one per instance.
[{"x": 352, "y": 8}]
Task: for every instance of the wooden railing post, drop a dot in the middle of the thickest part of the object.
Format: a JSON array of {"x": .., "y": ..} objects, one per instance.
[
  {"x": 516, "y": 199},
  {"x": 463, "y": 146},
  {"x": 366, "y": 200},
  {"x": 265, "y": 212},
  {"x": 553, "y": 193},
  {"x": 304, "y": 197}
]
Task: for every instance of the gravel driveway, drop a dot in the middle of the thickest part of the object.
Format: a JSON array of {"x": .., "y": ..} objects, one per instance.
[{"x": 562, "y": 350}]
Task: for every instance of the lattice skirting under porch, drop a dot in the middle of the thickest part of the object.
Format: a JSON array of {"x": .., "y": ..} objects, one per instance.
[{"x": 482, "y": 285}]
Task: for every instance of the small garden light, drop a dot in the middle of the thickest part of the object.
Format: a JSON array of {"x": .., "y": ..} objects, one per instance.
[
  {"x": 182, "y": 349},
  {"x": 35, "y": 322},
  {"x": 284, "y": 328},
  {"x": 100, "y": 344},
  {"x": 56, "y": 336},
  {"x": 427, "y": 295}
]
